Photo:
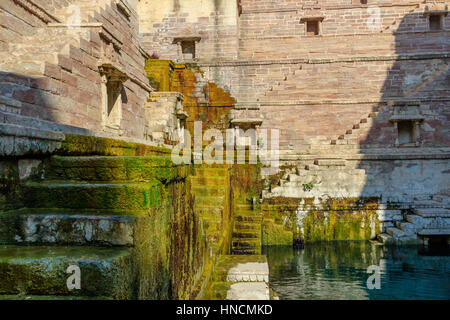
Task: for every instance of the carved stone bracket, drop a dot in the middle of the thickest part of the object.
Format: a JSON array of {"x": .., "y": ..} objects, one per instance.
[
  {"x": 112, "y": 73},
  {"x": 436, "y": 9}
]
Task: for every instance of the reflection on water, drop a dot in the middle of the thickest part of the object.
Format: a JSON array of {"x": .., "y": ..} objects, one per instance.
[{"x": 338, "y": 270}]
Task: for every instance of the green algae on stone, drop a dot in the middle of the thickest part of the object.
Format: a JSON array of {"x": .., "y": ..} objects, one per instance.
[
  {"x": 75, "y": 145},
  {"x": 42, "y": 271},
  {"x": 275, "y": 234}
]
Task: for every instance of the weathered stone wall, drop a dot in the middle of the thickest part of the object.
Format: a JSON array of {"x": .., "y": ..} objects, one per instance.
[
  {"x": 54, "y": 73},
  {"x": 337, "y": 77},
  {"x": 214, "y": 21},
  {"x": 203, "y": 100}
]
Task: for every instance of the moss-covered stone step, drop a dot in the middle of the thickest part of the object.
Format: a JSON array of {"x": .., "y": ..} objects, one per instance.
[
  {"x": 208, "y": 181},
  {"x": 74, "y": 195},
  {"x": 247, "y": 227},
  {"x": 65, "y": 228},
  {"x": 213, "y": 211},
  {"x": 105, "y": 272},
  {"x": 114, "y": 169},
  {"x": 209, "y": 191},
  {"x": 246, "y": 243},
  {"x": 202, "y": 201},
  {"x": 211, "y": 172},
  {"x": 252, "y": 234},
  {"x": 235, "y": 268},
  {"x": 255, "y": 218},
  {"x": 245, "y": 251},
  {"x": 243, "y": 207}
]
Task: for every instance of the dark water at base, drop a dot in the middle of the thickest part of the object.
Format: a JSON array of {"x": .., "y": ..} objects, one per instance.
[{"x": 338, "y": 270}]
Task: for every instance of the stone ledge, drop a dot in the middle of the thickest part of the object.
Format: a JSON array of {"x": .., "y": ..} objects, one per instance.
[
  {"x": 8, "y": 129},
  {"x": 394, "y": 57}
]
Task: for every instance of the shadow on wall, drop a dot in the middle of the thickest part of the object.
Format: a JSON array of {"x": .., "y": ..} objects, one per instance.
[
  {"x": 20, "y": 95},
  {"x": 412, "y": 114}
]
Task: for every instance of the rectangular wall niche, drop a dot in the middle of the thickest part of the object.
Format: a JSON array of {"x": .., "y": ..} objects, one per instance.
[
  {"x": 187, "y": 47},
  {"x": 435, "y": 21},
  {"x": 313, "y": 25},
  {"x": 406, "y": 132},
  {"x": 312, "y": 28},
  {"x": 406, "y": 119},
  {"x": 112, "y": 86},
  {"x": 188, "y": 50}
]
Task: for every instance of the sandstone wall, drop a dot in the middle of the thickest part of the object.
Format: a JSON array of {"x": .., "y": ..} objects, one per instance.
[
  {"x": 212, "y": 20},
  {"x": 335, "y": 79},
  {"x": 53, "y": 73}
]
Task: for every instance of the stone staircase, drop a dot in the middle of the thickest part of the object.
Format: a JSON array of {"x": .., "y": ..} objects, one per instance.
[
  {"x": 424, "y": 222},
  {"x": 280, "y": 84},
  {"x": 418, "y": 8},
  {"x": 246, "y": 238},
  {"x": 91, "y": 212},
  {"x": 316, "y": 177}
]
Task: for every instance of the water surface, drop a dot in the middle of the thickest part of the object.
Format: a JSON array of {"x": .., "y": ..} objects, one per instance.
[{"x": 338, "y": 270}]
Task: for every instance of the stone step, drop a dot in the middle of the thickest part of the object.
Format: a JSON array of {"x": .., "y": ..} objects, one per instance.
[
  {"x": 73, "y": 195},
  {"x": 250, "y": 234},
  {"x": 209, "y": 181},
  {"x": 238, "y": 268},
  {"x": 249, "y": 291},
  {"x": 395, "y": 232},
  {"x": 248, "y": 218},
  {"x": 209, "y": 191},
  {"x": 385, "y": 238},
  {"x": 9, "y": 103},
  {"x": 415, "y": 219},
  {"x": 244, "y": 207},
  {"x": 434, "y": 232},
  {"x": 211, "y": 172},
  {"x": 245, "y": 251},
  {"x": 64, "y": 227},
  {"x": 239, "y": 291},
  {"x": 406, "y": 227},
  {"x": 209, "y": 201},
  {"x": 245, "y": 243},
  {"x": 42, "y": 271},
  {"x": 245, "y": 226},
  {"x": 433, "y": 212},
  {"x": 246, "y": 212},
  {"x": 112, "y": 169}
]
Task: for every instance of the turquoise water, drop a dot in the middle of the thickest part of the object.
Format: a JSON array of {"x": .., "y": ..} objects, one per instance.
[{"x": 338, "y": 270}]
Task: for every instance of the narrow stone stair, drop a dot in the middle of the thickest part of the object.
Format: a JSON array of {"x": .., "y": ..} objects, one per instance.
[
  {"x": 420, "y": 222},
  {"x": 246, "y": 238}
]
